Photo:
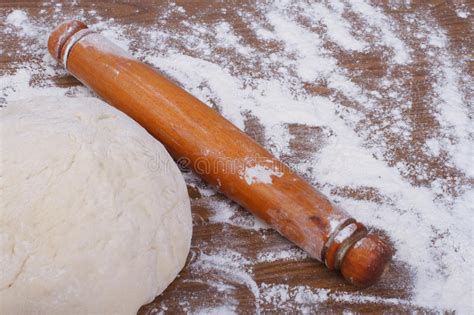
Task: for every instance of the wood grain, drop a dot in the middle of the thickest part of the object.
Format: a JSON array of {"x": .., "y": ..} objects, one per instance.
[{"x": 191, "y": 289}]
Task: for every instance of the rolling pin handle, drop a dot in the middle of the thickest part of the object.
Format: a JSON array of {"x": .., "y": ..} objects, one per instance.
[
  {"x": 61, "y": 34},
  {"x": 366, "y": 261},
  {"x": 361, "y": 257}
]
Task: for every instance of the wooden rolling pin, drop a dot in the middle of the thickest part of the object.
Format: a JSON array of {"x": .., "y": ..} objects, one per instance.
[{"x": 222, "y": 154}]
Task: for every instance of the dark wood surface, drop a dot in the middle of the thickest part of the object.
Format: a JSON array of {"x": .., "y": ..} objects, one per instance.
[{"x": 191, "y": 290}]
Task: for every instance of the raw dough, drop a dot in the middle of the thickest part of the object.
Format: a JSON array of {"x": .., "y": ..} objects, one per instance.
[{"x": 94, "y": 213}]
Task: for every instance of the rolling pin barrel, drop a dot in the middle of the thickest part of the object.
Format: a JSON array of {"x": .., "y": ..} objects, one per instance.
[{"x": 222, "y": 154}]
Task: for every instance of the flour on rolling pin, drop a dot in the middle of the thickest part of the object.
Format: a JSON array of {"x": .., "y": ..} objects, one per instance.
[
  {"x": 259, "y": 174},
  {"x": 93, "y": 41}
]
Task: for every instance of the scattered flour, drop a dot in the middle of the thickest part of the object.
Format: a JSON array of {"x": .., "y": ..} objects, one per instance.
[
  {"x": 219, "y": 310},
  {"x": 426, "y": 210},
  {"x": 337, "y": 28},
  {"x": 19, "y": 19},
  {"x": 307, "y": 299},
  {"x": 462, "y": 9},
  {"x": 233, "y": 265},
  {"x": 382, "y": 24},
  {"x": 224, "y": 211},
  {"x": 282, "y": 255}
]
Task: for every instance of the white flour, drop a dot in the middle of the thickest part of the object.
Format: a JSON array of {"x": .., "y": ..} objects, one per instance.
[
  {"x": 259, "y": 174},
  {"x": 281, "y": 296},
  {"x": 282, "y": 255},
  {"x": 422, "y": 199}
]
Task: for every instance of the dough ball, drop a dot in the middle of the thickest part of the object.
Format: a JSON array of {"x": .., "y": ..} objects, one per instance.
[{"x": 94, "y": 213}]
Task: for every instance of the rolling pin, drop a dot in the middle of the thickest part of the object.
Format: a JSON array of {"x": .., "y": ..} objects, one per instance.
[{"x": 222, "y": 154}]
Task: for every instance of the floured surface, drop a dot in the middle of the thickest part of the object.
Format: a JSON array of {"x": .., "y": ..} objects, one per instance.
[{"x": 370, "y": 103}]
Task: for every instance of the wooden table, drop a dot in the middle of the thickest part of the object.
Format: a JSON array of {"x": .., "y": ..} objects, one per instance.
[{"x": 195, "y": 288}]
